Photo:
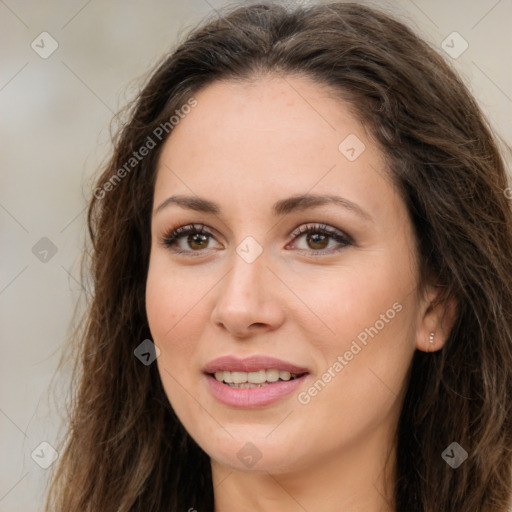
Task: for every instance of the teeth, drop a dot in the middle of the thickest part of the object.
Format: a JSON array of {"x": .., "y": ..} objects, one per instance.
[
  {"x": 238, "y": 377},
  {"x": 258, "y": 377},
  {"x": 249, "y": 378},
  {"x": 248, "y": 385}
]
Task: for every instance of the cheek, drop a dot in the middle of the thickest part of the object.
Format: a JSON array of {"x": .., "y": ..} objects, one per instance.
[
  {"x": 366, "y": 313},
  {"x": 177, "y": 314},
  {"x": 363, "y": 367},
  {"x": 172, "y": 306},
  {"x": 338, "y": 303},
  {"x": 169, "y": 311}
]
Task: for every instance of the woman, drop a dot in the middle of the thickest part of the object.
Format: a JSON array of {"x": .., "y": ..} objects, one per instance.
[{"x": 302, "y": 257}]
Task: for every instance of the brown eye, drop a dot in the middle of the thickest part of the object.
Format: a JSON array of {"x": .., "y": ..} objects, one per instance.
[
  {"x": 197, "y": 241},
  {"x": 192, "y": 239},
  {"x": 317, "y": 241}
]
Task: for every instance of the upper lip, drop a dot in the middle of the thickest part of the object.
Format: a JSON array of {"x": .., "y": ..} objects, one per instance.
[{"x": 251, "y": 364}]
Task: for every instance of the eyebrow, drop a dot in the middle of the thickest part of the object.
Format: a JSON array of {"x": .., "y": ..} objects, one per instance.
[{"x": 282, "y": 207}]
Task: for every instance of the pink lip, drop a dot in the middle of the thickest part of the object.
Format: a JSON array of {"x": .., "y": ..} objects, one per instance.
[
  {"x": 252, "y": 397},
  {"x": 251, "y": 364}
]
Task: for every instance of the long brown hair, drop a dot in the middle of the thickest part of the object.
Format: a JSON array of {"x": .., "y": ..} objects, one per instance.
[{"x": 125, "y": 449}]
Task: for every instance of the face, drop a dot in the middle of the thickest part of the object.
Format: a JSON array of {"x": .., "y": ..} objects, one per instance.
[{"x": 299, "y": 265}]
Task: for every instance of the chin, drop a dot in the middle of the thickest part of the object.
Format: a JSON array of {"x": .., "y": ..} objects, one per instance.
[{"x": 250, "y": 451}]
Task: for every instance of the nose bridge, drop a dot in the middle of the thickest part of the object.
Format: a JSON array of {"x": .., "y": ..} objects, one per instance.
[
  {"x": 247, "y": 274},
  {"x": 245, "y": 296}
]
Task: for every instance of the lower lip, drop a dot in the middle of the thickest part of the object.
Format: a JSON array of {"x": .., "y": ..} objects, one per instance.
[{"x": 250, "y": 398}]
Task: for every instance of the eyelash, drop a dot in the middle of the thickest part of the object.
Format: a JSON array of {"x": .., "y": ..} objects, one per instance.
[{"x": 169, "y": 239}]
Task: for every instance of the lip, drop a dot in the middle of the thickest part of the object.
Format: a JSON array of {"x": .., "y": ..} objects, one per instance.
[
  {"x": 250, "y": 398},
  {"x": 251, "y": 364}
]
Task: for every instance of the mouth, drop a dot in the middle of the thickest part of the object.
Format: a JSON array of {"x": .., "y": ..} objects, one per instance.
[
  {"x": 256, "y": 379},
  {"x": 252, "y": 382}
]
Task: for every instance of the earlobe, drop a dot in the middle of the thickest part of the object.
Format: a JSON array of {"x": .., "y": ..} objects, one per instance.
[{"x": 436, "y": 321}]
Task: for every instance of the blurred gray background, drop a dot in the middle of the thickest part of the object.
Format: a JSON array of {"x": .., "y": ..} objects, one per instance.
[{"x": 56, "y": 104}]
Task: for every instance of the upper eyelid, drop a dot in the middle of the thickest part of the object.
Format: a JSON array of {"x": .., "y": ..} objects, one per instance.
[
  {"x": 193, "y": 227},
  {"x": 319, "y": 226}
]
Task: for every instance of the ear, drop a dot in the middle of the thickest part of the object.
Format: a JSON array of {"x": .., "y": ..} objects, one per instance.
[{"x": 435, "y": 321}]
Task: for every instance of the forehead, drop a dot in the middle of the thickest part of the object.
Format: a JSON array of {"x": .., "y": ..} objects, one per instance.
[
  {"x": 293, "y": 108},
  {"x": 271, "y": 135}
]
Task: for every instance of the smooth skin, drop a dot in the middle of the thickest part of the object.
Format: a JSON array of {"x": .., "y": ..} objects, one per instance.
[{"x": 305, "y": 299}]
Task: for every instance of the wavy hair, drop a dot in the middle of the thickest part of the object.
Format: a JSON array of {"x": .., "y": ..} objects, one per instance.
[{"x": 125, "y": 450}]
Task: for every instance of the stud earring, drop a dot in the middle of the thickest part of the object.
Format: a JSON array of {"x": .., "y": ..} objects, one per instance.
[{"x": 431, "y": 339}]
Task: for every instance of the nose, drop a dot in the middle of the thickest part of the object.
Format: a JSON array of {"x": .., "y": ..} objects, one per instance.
[{"x": 248, "y": 299}]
